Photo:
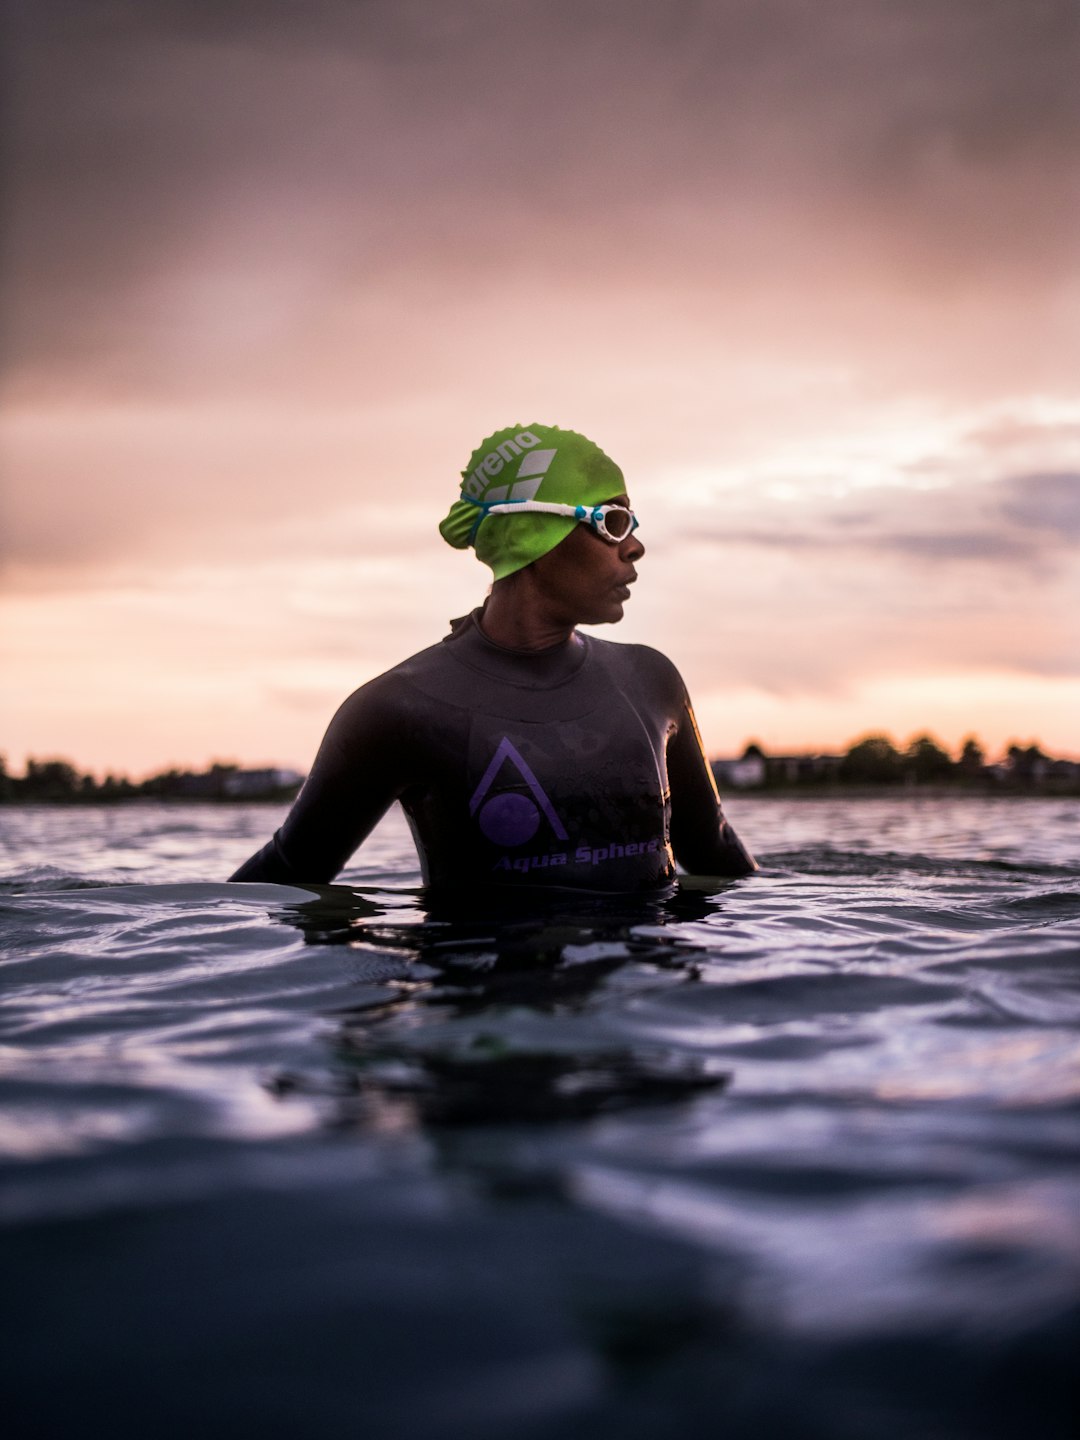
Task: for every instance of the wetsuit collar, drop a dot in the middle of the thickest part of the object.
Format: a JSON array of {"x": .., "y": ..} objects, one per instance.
[{"x": 530, "y": 669}]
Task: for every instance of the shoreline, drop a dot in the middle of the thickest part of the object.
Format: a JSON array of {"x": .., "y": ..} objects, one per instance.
[
  {"x": 896, "y": 792},
  {"x": 904, "y": 793}
]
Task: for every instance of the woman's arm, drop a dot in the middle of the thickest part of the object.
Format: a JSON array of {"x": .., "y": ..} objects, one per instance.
[
  {"x": 358, "y": 773},
  {"x": 702, "y": 839}
]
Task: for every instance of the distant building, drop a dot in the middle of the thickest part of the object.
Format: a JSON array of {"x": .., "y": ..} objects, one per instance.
[
  {"x": 745, "y": 773},
  {"x": 252, "y": 784},
  {"x": 802, "y": 769},
  {"x": 755, "y": 770},
  {"x": 226, "y": 782},
  {"x": 1064, "y": 775}
]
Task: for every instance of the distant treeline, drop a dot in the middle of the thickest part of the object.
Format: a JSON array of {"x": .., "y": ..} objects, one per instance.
[
  {"x": 872, "y": 761},
  {"x": 58, "y": 782},
  {"x": 876, "y": 761}
]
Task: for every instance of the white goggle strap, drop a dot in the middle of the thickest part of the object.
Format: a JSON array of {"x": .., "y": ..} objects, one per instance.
[
  {"x": 538, "y": 507},
  {"x": 484, "y": 508},
  {"x": 595, "y": 514}
]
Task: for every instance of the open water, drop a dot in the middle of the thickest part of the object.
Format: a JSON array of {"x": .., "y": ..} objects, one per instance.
[{"x": 799, "y": 1157}]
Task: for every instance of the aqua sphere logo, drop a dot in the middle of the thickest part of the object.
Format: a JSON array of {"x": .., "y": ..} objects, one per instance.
[{"x": 511, "y": 818}]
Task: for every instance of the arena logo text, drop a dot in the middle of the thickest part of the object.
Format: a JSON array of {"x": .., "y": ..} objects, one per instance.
[{"x": 534, "y": 466}]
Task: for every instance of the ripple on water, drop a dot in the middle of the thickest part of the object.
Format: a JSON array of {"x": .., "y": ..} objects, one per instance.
[{"x": 800, "y": 1152}]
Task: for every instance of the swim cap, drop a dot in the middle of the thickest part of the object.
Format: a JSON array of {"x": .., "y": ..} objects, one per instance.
[{"x": 540, "y": 462}]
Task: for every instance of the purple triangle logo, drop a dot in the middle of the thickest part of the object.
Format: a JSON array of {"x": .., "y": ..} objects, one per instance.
[{"x": 512, "y": 818}]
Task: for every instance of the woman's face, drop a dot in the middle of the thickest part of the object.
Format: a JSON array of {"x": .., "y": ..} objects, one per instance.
[{"x": 586, "y": 580}]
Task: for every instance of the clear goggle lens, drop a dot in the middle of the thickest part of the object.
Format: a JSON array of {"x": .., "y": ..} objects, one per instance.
[{"x": 614, "y": 522}]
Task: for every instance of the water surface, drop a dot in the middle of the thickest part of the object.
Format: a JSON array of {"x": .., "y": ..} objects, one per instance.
[{"x": 797, "y": 1156}]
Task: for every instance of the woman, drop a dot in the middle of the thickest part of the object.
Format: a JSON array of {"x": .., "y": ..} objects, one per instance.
[{"x": 522, "y": 752}]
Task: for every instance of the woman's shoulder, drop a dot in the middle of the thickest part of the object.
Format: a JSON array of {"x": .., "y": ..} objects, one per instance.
[
  {"x": 638, "y": 664},
  {"x": 395, "y": 690}
]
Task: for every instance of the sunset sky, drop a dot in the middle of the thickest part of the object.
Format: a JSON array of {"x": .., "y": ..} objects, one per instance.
[{"x": 808, "y": 270}]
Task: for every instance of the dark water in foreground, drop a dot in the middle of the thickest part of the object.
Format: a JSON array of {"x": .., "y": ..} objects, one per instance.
[{"x": 797, "y": 1158}]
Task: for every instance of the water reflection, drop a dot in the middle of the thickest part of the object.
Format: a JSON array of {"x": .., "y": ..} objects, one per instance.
[{"x": 491, "y": 1012}]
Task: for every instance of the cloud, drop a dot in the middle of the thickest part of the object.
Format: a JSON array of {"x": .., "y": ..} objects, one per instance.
[
  {"x": 1027, "y": 520},
  {"x": 273, "y": 266},
  {"x": 172, "y": 163},
  {"x": 811, "y": 593},
  {"x": 1045, "y": 503}
]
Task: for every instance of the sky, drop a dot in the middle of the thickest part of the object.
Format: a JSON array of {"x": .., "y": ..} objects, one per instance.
[{"x": 808, "y": 270}]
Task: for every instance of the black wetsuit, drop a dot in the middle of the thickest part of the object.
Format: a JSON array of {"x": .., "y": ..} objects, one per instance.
[{"x": 579, "y": 766}]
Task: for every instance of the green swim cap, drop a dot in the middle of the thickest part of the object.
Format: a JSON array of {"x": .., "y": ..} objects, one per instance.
[{"x": 538, "y": 462}]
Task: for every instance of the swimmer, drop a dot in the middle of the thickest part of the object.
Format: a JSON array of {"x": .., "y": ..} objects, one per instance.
[{"x": 523, "y": 753}]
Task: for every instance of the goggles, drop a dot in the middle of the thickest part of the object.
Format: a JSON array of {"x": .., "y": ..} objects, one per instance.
[{"x": 612, "y": 523}]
